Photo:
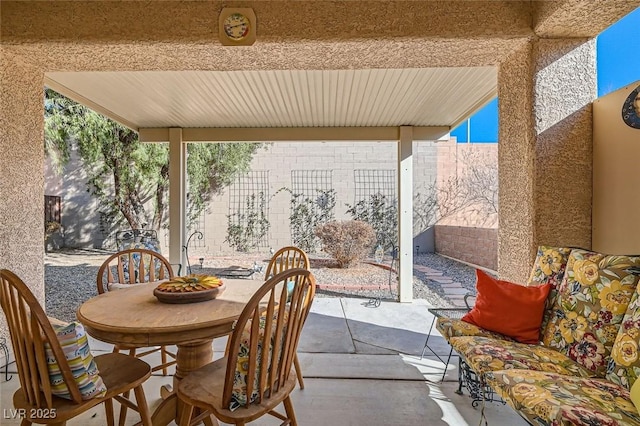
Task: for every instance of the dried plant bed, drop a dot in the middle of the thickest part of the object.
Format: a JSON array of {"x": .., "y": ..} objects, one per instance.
[{"x": 189, "y": 289}]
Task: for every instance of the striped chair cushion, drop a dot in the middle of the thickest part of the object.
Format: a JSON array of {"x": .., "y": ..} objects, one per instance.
[{"x": 75, "y": 346}]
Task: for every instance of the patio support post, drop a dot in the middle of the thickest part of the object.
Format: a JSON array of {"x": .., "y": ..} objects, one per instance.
[
  {"x": 405, "y": 214},
  {"x": 177, "y": 196}
]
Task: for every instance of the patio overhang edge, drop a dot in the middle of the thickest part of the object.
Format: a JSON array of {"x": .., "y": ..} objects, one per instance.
[{"x": 297, "y": 134}]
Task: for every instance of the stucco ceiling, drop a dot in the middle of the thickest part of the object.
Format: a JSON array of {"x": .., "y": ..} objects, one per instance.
[
  {"x": 282, "y": 98},
  {"x": 338, "y": 64}
]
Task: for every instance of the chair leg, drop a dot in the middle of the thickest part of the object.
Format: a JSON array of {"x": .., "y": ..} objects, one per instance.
[
  {"x": 288, "y": 407},
  {"x": 163, "y": 357},
  {"x": 123, "y": 410},
  {"x": 108, "y": 409},
  {"x": 296, "y": 364},
  {"x": 209, "y": 422},
  {"x": 143, "y": 408},
  {"x": 185, "y": 414}
]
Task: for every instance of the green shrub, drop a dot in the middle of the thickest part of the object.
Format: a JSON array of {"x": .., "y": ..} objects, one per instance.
[{"x": 346, "y": 241}]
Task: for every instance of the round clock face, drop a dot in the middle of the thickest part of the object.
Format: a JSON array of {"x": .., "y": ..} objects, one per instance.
[
  {"x": 236, "y": 26},
  {"x": 631, "y": 109}
]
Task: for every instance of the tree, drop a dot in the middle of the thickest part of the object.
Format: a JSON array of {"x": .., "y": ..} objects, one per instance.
[{"x": 124, "y": 173}]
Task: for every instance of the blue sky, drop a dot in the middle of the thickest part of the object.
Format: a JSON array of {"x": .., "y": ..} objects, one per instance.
[{"x": 618, "y": 64}]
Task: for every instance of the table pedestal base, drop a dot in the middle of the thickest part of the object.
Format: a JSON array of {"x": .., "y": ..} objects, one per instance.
[{"x": 190, "y": 357}]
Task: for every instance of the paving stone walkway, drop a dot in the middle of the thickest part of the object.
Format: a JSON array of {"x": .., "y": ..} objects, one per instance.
[{"x": 453, "y": 291}]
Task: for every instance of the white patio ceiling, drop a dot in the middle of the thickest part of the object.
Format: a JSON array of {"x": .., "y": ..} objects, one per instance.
[{"x": 423, "y": 97}]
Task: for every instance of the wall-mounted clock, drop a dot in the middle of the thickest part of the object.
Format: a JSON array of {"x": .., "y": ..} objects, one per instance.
[
  {"x": 237, "y": 26},
  {"x": 631, "y": 109}
]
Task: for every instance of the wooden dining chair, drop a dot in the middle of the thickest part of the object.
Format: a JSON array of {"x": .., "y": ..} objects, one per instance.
[
  {"x": 44, "y": 370},
  {"x": 287, "y": 258},
  {"x": 256, "y": 375},
  {"x": 284, "y": 259},
  {"x": 130, "y": 267}
]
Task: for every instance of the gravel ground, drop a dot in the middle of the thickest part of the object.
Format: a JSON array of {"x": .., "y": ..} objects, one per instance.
[{"x": 70, "y": 278}]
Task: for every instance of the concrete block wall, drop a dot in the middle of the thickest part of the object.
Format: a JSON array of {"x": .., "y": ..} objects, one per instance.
[
  {"x": 478, "y": 246},
  {"x": 432, "y": 161},
  {"x": 281, "y": 158},
  {"x": 453, "y": 162}
]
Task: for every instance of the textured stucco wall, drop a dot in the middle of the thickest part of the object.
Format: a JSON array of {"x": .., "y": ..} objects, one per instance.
[
  {"x": 545, "y": 150},
  {"x": 21, "y": 177},
  {"x": 195, "y": 21},
  {"x": 331, "y": 20},
  {"x": 564, "y": 88},
  {"x": 577, "y": 18},
  {"x": 516, "y": 239}
]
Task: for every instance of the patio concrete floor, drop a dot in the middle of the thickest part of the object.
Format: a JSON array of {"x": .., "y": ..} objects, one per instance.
[{"x": 361, "y": 365}]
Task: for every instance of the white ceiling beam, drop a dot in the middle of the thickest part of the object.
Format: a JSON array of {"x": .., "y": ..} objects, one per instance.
[{"x": 296, "y": 134}]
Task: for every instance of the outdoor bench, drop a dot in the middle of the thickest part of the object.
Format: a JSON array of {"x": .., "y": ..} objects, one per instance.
[{"x": 585, "y": 362}]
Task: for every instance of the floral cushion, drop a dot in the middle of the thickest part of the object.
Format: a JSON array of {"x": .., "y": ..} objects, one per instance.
[
  {"x": 241, "y": 376},
  {"x": 591, "y": 302},
  {"x": 624, "y": 364},
  {"x": 549, "y": 268},
  {"x": 449, "y": 327},
  {"x": 554, "y": 399},
  {"x": 483, "y": 354}
]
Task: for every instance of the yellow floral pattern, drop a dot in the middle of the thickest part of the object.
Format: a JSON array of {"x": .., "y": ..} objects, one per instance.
[
  {"x": 241, "y": 375},
  {"x": 549, "y": 267},
  {"x": 613, "y": 297},
  {"x": 589, "y": 306},
  {"x": 624, "y": 364},
  {"x": 559, "y": 400},
  {"x": 585, "y": 271},
  {"x": 572, "y": 327},
  {"x": 485, "y": 354},
  {"x": 455, "y": 327}
]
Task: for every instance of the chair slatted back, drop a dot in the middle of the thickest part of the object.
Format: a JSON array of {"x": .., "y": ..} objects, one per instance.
[
  {"x": 287, "y": 258},
  {"x": 30, "y": 328},
  {"x": 272, "y": 349},
  {"x": 133, "y": 266}
]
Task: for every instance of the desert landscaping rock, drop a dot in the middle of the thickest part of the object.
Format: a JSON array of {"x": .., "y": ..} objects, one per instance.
[{"x": 70, "y": 277}]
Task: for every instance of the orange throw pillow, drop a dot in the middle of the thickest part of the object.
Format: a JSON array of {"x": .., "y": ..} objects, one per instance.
[{"x": 506, "y": 308}]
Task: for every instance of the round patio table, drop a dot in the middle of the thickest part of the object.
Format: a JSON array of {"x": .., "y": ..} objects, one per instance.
[{"x": 134, "y": 316}]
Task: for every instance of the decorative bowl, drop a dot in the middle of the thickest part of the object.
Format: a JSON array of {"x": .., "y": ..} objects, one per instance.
[{"x": 189, "y": 289}]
